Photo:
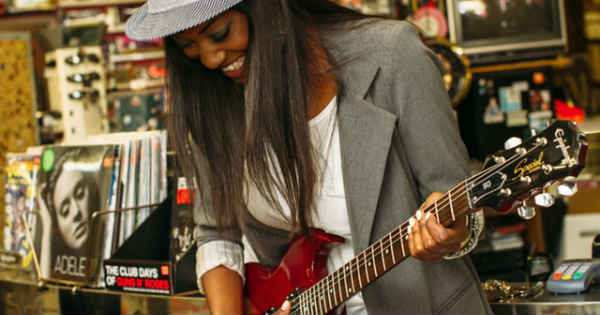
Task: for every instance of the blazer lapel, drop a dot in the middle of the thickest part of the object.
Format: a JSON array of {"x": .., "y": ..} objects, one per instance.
[{"x": 365, "y": 138}]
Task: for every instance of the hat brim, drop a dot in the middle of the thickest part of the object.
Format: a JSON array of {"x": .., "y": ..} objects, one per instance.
[{"x": 143, "y": 25}]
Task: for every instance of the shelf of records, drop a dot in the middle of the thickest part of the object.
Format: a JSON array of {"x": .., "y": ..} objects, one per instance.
[
  {"x": 137, "y": 56},
  {"x": 98, "y": 215},
  {"x": 17, "y": 6},
  {"x": 93, "y": 3}
]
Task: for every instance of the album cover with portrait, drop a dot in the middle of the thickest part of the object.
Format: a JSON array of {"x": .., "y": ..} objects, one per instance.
[
  {"x": 20, "y": 199},
  {"x": 183, "y": 228},
  {"x": 74, "y": 182}
]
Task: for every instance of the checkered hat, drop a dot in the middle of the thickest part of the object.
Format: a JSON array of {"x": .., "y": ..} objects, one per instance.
[{"x": 160, "y": 18}]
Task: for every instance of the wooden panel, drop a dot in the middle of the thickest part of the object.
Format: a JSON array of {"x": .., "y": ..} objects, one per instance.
[{"x": 18, "y": 129}]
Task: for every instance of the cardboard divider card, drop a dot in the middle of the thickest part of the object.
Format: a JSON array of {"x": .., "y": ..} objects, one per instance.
[
  {"x": 138, "y": 251},
  {"x": 141, "y": 276}
]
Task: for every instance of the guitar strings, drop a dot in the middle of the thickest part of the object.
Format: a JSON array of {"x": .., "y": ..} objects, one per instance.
[
  {"x": 378, "y": 246},
  {"x": 376, "y": 249},
  {"x": 333, "y": 278},
  {"x": 356, "y": 264}
]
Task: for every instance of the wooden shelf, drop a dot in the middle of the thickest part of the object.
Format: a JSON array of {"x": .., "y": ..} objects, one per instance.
[
  {"x": 90, "y": 3},
  {"x": 590, "y": 125},
  {"x": 33, "y": 9},
  {"x": 559, "y": 62},
  {"x": 117, "y": 29},
  {"x": 10, "y": 278},
  {"x": 138, "y": 85},
  {"x": 111, "y": 95},
  {"x": 140, "y": 56}
]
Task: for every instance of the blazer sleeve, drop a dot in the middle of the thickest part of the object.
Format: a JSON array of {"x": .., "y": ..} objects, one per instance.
[{"x": 427, "y": 126}]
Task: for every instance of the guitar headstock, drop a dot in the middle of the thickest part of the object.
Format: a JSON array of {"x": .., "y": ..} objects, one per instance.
[{"x": 557, "y": 153}]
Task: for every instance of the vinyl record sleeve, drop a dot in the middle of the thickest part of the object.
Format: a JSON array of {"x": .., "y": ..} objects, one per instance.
[
  {"x": 125, "y": 169},
  {"x": 163, "y": 165},
  {"x": 183, "y": 228},
  {"x": 145, "y": 171},
  {"x": 120, "y": 167},
  {"x": 75, "y": 181},
  {"x": 142, "y": 176},
  {"x": 20, "y": 196},
  {"x": 155, "y": 180},
  {"x": 123, "y": 180},
  {"x": 128, "y": 217}
]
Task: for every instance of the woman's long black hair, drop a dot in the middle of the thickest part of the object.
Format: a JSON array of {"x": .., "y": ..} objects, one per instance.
[{"x": 229, "y": 134}]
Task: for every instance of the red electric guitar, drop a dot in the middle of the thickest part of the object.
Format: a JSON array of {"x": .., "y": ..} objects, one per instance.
[{"x": 509, "y": 177}]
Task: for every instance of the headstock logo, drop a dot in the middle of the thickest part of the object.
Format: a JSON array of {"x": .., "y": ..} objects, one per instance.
[
  {"x": 561, "y": 144},
  {"x": 524, "y": 168}
]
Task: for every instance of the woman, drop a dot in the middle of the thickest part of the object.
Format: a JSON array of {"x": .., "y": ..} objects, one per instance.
[{"x": 296, "y": 114}]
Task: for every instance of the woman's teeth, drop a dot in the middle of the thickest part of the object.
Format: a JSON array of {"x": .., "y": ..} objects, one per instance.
[{"x": 235, "y": 65}]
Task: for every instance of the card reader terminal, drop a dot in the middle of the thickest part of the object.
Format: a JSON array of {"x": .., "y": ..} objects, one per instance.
[{"x": 573, "y": 276}]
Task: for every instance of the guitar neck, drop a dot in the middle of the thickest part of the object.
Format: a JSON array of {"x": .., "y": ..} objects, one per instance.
[{"x": 377, "y": 259}]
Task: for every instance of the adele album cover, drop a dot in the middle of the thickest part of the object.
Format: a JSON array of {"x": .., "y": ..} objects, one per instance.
[{"x": 74, "y": 182}]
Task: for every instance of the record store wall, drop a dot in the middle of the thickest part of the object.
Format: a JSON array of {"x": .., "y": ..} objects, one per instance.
[{"x": 82, "y": 105}]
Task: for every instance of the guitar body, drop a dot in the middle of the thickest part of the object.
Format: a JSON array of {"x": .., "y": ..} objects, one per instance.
[{"x": 304, "y": 264}]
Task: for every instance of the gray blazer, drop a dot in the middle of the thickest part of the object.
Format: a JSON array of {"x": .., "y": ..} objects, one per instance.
[{"x": 399, "y": 143}]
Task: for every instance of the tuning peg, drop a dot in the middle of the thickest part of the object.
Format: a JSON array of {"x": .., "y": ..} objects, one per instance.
[
  {"x": 526, "y": 211},
  {"x": 512, "y": 142},
  {"x": 567, "y": 189},
  {"x": 544, "y": 200}
]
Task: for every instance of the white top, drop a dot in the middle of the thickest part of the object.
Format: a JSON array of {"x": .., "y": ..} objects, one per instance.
[{"x": 331, "y": 215}]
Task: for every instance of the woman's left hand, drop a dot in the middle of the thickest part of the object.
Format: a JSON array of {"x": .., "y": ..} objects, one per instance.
[{"x": 429, "y": 240}]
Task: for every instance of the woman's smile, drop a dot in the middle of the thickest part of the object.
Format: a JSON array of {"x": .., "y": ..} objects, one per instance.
[{"x": 236, "y": 68}]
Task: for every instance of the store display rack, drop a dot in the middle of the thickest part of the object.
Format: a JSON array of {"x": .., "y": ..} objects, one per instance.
[
  {"x": 92, "y": 3},
  {"x": 138, "y": 56},
  {"x": 148, "y": 249}
]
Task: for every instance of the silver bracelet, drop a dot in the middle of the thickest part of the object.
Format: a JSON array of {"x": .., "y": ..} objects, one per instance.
[{"x": 475, "y": 224}]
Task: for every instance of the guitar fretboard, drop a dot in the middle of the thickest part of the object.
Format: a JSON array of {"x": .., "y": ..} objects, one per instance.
[{"x": 375, "y": 260}]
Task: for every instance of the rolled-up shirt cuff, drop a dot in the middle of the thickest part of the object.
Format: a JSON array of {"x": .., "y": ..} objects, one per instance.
[{"x": 219, "y": 253}]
